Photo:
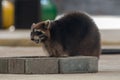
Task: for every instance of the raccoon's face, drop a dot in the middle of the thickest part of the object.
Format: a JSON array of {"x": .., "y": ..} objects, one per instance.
[{"x": 40, "y": 32}]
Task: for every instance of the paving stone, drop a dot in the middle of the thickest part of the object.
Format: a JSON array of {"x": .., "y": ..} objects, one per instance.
[
  {"x": 82, "y": 64},
  {"x": 93, "y": 65},
  {"x": 41, "y": 65},
  {"x": 3, "y": 65},
  {"x": 16, "y": 65}
]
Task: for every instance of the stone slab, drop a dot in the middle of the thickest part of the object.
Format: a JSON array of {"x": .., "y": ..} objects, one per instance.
[
  {"x": 82, "y": 64},
  {"x": 48, "y": 65},
  {"x": 93, "y": 65},
  {"x": 41, "y": 66},
  {"x": 16, "y": 66},
  {"x": 3, "y": 65}
]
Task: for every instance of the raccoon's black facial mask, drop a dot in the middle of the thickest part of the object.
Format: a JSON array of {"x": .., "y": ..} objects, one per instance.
[
  {"x": 38, "y": 36},
  {"x": 40, "y": 32}
]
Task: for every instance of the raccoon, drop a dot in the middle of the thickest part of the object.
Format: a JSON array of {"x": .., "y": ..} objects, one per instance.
[{"x": 74, "y": 34}]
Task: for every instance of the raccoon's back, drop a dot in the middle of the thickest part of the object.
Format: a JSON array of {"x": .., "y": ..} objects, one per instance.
[
  {"x": 73, "y": 26},
  {"x": 75, "y": 34}
]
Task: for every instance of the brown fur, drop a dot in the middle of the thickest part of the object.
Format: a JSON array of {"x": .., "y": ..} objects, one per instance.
[{"x": 74, "y": 34}]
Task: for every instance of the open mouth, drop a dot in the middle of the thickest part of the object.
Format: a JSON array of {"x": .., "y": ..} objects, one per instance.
[{"x": 36, "y": 39}]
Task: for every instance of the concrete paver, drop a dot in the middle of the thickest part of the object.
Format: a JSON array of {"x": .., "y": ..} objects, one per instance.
[
  {"x": 41, "y": 66},
  {"x": 16, "y": 66},
  {"x": 3, "y": 65},
  {"x": 78, "y": 65}
]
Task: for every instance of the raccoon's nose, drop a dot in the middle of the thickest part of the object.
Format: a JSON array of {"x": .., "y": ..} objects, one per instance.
[{"x": 32, "y": 39}]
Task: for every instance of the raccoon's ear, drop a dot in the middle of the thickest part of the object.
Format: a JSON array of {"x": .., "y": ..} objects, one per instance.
[
  {"x": 47, "y": 24},
  {"x": 32, "y": 26},
  {"x": 43, "y": 26}
]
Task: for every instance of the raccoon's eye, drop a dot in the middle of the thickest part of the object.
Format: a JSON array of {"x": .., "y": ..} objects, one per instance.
[
  {"x": 38, "y": 33},
  {"x": 44, "y": 27}
]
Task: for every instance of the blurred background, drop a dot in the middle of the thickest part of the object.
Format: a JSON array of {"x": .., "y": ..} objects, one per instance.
[
  {"x": 17, "y": 16},
  {"x": 22, "y": 13}
]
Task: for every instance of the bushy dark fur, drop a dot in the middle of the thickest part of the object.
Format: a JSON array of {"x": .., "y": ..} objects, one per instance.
[{"x": 74, "y": 34}]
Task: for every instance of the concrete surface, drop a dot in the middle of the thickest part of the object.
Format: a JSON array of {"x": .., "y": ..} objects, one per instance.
[
  {"x": 16, "y": 66},
  {"x": 41, "y": 66},
  {"x": 3, "y": 65},
  {"x": 97, "y": 76},
  {"x": 109, "y": 67},
  {"x": 81, "y": 64},
  {"x": 21, "y": 51}
]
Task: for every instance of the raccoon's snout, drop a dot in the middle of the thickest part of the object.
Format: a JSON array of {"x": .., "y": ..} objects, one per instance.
[
  {"x": 37, "y": 41},
  {"x": 38, "y": 36},
  {"x": 35, "y": 38},
  {"x": 32, "y": 39},
  {"x": 35, "y": 35}
]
